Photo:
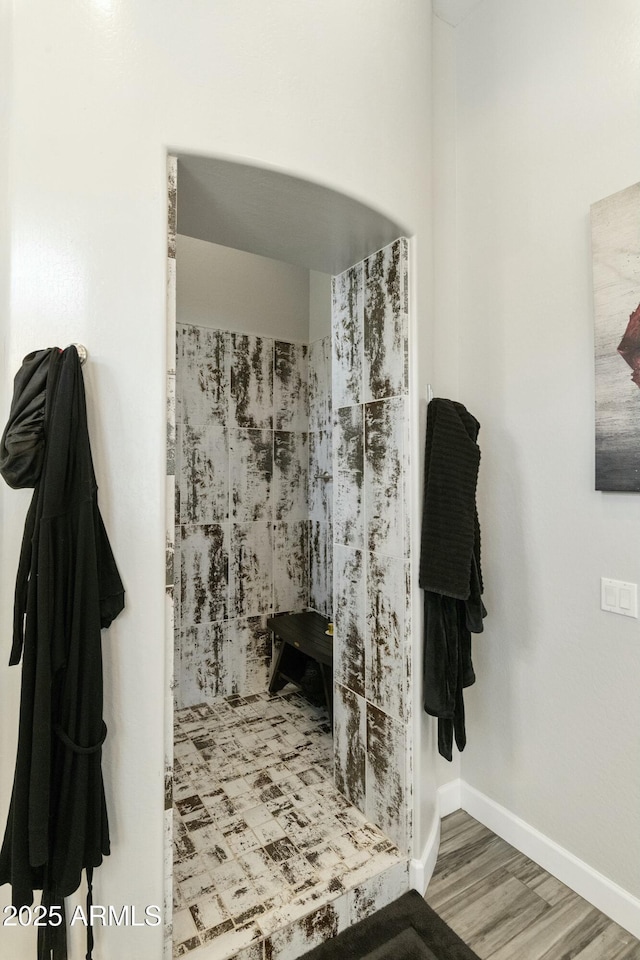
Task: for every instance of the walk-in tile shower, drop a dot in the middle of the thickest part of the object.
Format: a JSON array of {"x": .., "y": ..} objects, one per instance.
[{"x": 288, "y": 465}]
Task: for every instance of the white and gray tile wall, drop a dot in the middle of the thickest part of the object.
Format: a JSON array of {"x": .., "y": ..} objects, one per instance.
[
  {"x": 371, "y": 541},
  {"x": 320, "y": 478},
  {"x": 253, "y": 502},
  {"x": 172, "y": 182}
]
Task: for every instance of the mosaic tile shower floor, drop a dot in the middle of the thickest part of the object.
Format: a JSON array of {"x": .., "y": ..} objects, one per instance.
[{"x": 262, "y": 837}]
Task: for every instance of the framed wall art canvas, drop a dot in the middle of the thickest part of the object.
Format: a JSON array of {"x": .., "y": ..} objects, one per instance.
[{"x": 615, "y": 236}]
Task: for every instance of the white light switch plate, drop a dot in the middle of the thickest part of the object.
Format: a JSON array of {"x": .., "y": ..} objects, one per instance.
[{"x": 616, "y": 596}]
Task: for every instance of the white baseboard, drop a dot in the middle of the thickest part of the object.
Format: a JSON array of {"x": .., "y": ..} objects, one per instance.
[
  {"x": 449, "y": 797},
  {"x": 607, "y": 896},
  {"x": 603, "y": 893},
  {"x": 420, "y": 870}
]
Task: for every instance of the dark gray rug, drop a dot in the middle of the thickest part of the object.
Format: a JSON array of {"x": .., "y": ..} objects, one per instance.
[{"x": 407, "y": 929}]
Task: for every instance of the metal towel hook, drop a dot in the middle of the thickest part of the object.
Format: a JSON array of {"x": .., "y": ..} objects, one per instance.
[{"x": 82, "y": 352}]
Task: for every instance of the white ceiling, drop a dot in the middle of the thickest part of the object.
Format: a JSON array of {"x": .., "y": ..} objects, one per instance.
[
  {"x": 454, "y": 11},
  {"x": 275, "y": 215}
]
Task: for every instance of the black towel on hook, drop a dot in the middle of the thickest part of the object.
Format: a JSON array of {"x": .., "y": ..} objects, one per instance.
[
  {"x": 450, "y": 571},
  {"x": 449, "y": 522}
]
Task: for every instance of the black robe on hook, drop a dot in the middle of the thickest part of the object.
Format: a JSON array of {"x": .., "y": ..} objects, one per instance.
[{"x": 67, "y": 589}]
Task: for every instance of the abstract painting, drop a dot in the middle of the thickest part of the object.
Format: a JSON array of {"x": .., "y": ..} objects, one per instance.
[{"x": 615, "y": 232}]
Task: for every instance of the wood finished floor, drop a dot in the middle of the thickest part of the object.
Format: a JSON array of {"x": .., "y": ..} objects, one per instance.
[{"x": 506, "y": 907}]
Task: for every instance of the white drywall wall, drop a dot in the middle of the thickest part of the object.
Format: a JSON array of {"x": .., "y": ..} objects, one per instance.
[
  {"x": 232, "y": 290},
  {"x": 547, "y": 123},
  {"x": 100, "y": 91}
]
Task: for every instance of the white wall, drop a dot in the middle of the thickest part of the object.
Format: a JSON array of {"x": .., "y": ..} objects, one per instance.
[
  {"x": 547, "y": 123},
  {"x": 100, "y": 91},
  {"x": 232, "y": 290},
  {"x": 445, "y": 332},
  {"x": 5, "y": 265}
]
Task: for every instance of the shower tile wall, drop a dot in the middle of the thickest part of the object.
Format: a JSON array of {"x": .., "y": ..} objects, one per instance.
[
  {"x": 371, "y": 539},
  {"x": 170, "y": 599},
  {"x": 253, "y": 538},
  {"x": 320, "y": 470}
]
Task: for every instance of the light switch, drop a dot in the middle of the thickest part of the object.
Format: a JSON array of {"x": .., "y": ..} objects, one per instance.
[{"x": 616, "y": 596}]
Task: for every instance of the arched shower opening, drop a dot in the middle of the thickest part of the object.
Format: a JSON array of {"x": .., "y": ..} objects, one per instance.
[{"x": 259, "y": 847}]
